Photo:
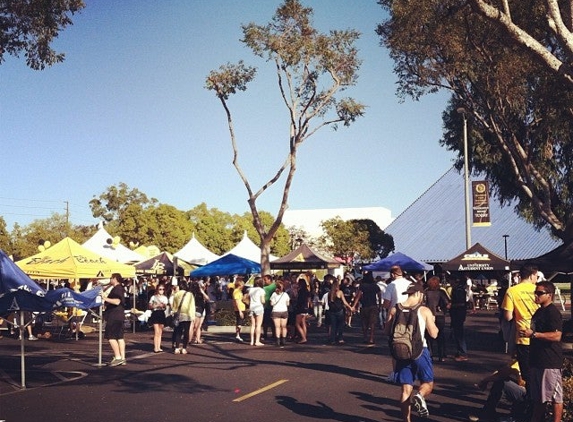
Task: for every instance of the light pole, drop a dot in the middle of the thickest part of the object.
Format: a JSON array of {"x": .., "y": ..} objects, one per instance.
[
  {"x": 462, "y": 111},
  {"x": 505, "y": 236}
]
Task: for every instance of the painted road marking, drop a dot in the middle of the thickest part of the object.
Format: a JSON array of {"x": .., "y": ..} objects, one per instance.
[{"x": 259, "y": 391}]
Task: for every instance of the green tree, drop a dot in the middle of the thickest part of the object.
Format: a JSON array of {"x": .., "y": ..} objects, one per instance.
[
  {"x": 212, "y": 227},
  {"x": 30, "y": 26},
  {"x": 311, "y": 69},
  {"x": 26, "y": 240},
  {"x": 170, "y": 229},
  {"x": 116, "y": 199},
  {"x": 519, "y": 112},
  {"x": 355, "y": 241},
  {"x": 5, "y": 240},
  {"x": 280, "y": 244}
]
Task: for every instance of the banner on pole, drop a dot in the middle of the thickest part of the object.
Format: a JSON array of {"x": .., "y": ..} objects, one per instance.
[{"x": 480, "y": 195}]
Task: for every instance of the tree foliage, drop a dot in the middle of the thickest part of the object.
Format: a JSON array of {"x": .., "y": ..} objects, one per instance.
[
  {"x": 519, "y": 112},
  {"x": 311, "y": 69},
  {"x": 5, "y": 240},
  {"x": 25, "y": 240},
  {"x": 112, "y": 203},
  {"x": 30, "y": 26},
  {"x": 355, "y": 241},
  {"x": 544, "y": 31}
]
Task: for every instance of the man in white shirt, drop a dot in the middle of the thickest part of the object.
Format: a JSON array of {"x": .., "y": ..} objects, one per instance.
[{"x": 396, "y": 288}]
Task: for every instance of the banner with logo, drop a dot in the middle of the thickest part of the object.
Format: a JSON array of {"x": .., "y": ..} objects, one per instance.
[{"x": 480, "y": 196}]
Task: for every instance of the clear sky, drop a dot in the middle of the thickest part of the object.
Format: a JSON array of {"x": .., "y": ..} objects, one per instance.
[{"x": 129, "y": 105}]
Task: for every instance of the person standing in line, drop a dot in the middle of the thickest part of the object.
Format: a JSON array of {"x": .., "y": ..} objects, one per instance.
[
  {"x": 256, "y": 310},
  {"x": 239, "y": 307},
  {"x": 158, "y": 304},
  {"x": 368, "y": 296},
  {"x": 279, "y": 301},
  {"x": 419, "y": 369},
  {"x": 184, "y": 306},
  {"x": 114, "y": 317},
  {"x": 438, "y": 302},
  {"x": 546, "y": 354},
  {"x": 519, "y": 305}
]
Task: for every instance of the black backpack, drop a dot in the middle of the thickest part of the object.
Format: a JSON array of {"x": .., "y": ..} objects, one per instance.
[{"x": 406, "y": 341}]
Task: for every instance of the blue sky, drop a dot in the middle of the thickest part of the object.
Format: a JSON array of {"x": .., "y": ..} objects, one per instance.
[{"x": 129, "y": 105}]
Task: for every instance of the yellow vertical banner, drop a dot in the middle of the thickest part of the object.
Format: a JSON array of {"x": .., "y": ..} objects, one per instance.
[{"x": 480, "y": 196}]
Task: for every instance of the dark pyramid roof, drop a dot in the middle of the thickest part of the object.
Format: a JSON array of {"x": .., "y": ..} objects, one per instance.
[
  {"x": 304, "y": 258},
  {"x": 432, "y": 229}
]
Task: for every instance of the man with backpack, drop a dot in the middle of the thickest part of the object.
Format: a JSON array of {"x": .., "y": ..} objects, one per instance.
[{"x": 407, "y": 324}]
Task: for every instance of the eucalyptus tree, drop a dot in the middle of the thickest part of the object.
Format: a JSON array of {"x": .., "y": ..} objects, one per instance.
[
  {"x": 519, "y": 112},
  {"x": 312, "y": 68},
  {"x": 30, "y": 27}
]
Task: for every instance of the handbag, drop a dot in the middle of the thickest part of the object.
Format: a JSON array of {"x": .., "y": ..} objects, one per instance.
[{"x": 177, "y": 313}]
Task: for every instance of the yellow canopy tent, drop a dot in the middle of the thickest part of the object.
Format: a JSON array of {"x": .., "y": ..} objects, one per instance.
[{"x": 68, "y": 259}]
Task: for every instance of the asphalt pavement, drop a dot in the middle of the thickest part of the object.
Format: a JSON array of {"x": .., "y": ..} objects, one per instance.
[{"x": 223, "y": 380}]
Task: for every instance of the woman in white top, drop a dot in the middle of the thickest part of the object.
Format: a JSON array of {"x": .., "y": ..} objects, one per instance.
[
  {"x": 280, "y": 301},
  {"x": 257, "y": 309},
  {"x": 158, "y": 304}
]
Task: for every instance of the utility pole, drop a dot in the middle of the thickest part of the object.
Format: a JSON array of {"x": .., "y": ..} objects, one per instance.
[
  {"x": 462, "y": 111},
  {"x": 67, "y": 217}
]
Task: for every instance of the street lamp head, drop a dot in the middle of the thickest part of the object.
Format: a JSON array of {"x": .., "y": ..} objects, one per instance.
[{"x": 461, "y": 110}]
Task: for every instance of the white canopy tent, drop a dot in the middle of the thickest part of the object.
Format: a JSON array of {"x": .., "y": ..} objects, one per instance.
[
  {"x": 103, "y": 244},
  {"x": 195, "y": 253},
  {"x": 246, "y": 248}
]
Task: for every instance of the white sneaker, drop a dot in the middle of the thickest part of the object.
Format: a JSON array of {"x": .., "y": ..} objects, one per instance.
[
  {"x": 33, "y": 338},
  {"x": 239, "y": 339}
]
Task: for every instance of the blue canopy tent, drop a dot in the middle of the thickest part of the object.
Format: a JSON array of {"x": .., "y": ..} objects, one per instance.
[
  {"x": 228, "y": 265},
  {"x": 404, "y": 261},
  {"x": 19, "y": 293}
]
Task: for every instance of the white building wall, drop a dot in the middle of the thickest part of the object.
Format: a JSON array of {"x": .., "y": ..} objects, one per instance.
[{"x": 310, "y": 220}]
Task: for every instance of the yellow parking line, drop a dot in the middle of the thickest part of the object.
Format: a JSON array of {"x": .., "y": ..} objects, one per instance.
[{"x": 260, "y": 390}]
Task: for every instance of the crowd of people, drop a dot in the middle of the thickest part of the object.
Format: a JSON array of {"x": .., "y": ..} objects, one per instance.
[{"x": 280, "y": 309}]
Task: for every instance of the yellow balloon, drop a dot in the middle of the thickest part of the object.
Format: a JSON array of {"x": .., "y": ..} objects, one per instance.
[
  {"x": 41, "y": 248},
  {"x": 47, "y": 244}
]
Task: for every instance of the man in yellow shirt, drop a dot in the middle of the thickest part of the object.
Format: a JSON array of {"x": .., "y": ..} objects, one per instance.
[{"x": 519, "y": 306}]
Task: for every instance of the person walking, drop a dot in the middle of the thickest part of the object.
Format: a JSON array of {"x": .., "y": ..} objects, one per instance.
[
  {"x": 438, "y": 302},
  {"x": 336, "y": 305},
  {"x": 114, "y": 317},
  {"x": 458, "y": 313},
  {"x": 420, "y": 368},
  {"x": 518, "y": 306},
  {"x": 158, "y": 304},
  {"x": 368, "y": 295},
  {"x": 545, "y": 354},
  {"x": 197, "y": 288},
  {"x": 398, "y": 285},
  {"x": 279, "y": 301},
  {"x": 185, "y": 313}
]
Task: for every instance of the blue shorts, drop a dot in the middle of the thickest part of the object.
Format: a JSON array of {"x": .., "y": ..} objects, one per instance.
[{"x": 407, "y": 372}]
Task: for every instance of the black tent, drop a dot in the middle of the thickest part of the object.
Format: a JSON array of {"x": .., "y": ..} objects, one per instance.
[
  {"x": 476, "y": 258},
  {"x": 304, "y": 258},
  {"x": 559, "y": 260}
]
